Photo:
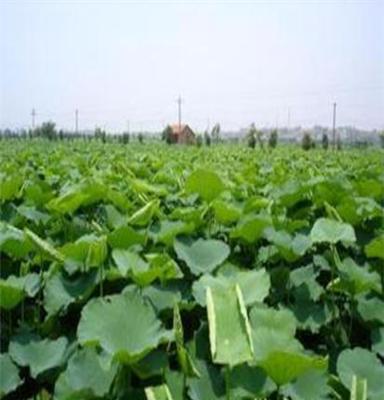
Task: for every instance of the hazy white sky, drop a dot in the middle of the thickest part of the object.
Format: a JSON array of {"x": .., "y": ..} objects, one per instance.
[{"x": 232, "y": 62}]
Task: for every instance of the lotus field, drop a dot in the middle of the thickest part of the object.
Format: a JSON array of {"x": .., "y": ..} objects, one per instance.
[{"x": 146, "y": 271}]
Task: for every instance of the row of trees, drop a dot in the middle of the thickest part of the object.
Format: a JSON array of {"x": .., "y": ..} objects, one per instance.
[
  {"x": 254, "y": 137},
  {"x": 47, "y": 130}
]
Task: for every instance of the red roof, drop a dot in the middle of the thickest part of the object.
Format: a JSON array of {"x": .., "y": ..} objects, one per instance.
[{"x": 177, "y": 129}]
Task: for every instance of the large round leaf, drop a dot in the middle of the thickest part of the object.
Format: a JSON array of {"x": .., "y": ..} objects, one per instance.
[
  {"x": 202, "y": 256},
  {"x": 285, "y": 366},
  {"x": 310, "y": 386},
  {"x": 39, "y": 356},
  {"x": 251, "y": 227},
  {"x": 11, "y": 294},
  {"x": 123, "y": 325},
  {"x": 253, "y": 284},
  {"x": 327, "y": 230},
  {"x": 365, "y": 365},
  {"x": 85, "y": 377},
  {"x": 9, "y": 375},
  {"x": 375, "y": 248},
  {"x": 206, "y": 183}
]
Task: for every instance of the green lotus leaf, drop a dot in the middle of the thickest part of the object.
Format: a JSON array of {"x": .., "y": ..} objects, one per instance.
[
  {"x": 358, "y": 388},
  {"x": 229, "y": 329},
  {"x": 251, "y": 227},
  {"x": 157, "y": 266},
  {"x": 254, "y": 285},
  {"x": 283, "y": 320},
  {"x": 76, "y": 196},
  {"x": 10, "y": 188},
  {"x": 38, "y": 355},
  {"x": 129, "y": 262},
  {"x": 250, "y": 382},
  {"x": 377, "y": 338},
  {"x": 364, "y": 365},
  {"x": 85, "y": 377},
  {"x": 11, "y": 293},
  {"x": 15, "y": 288},
  {"x": 123, "y": 325},
  {"x": 125, "y": 237},
  {"x": 285, "y": 366},
  {"x": 304, "y": 278},
  {"x": 291, "y": 248},
  {"x": 45, "y": 248},
  {"x": 9, "y": 375},
  {"x": 162, "y": 266},
  {"x": 164, "y": 296},
  {"x": 153, "y": 364},
  {"x": 32, "y": 214},
  {"x": 13, "y": 241},
  {"x": 97, "y": 250},
  {"x": 207, "y": 184},
  {"x": 375, "y": 248},
  {"x": 312, "y": 385},
  {"x": 210, "y": 384},
  {"x": 158, "y": 393},
  {"x": 202, "y": 256},
  {"x": 143, "y": 216},
  {"x": 327, "y": 230},
  {"x": 358, "y": 279},
  {"x": 371, "y": 309},
  {"x": 60, "y": 291},
  {"x": 311, "y": 315},
  {"x": 185, "y": 360},
  {"x": 226, "y": 213},
  {"x": 175, "y": 383},
  {"x": 166, "y": 231}
]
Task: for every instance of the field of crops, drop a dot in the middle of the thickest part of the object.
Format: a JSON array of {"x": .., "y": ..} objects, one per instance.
[{"x": 166, "y": 273}]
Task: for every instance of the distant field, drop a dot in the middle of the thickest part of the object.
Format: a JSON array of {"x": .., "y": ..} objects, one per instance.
[{"x": 147, "y": 271}]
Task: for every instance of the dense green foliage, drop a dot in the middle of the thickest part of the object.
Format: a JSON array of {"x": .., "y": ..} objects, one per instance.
[{"x": 154, "y": 272}]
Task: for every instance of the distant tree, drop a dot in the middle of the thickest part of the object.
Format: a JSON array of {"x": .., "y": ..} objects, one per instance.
[
  {"x": 140, "y": 137},
  {"x": 207, "y": 138},
  {"x": 306, "y": 142},
  {"x": 251, "y": 136},
  {"x": 100, "y": 134},
  {"x": 381, "y": 137},
  {"x": 260, "y": 138},
  {"x": 338, "y": 143},
  {"x": 215, "y": 133},
  {"x": 61, "y": 134},
  {"x": 47, "y": 130},
  {"x": 272, "y": 140},
  {"x": 167, "y": 135},
  {"x": 199, "y": 140},
  {"x": 325, "y": 141},
  {"x": 125, "y": 137}
]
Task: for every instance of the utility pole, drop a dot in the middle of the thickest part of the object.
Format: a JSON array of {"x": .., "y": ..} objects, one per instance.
[
  {"x": 334, "y": 126},
  {"x": 179, "y": 100},
  {"x": 33, "y": 114},
  {"x": 289, "y": 118},
  {"x": 76, "y": 121}
]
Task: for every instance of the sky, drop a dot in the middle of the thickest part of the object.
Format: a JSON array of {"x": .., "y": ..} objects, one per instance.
[{"x": 123, "y": 64}]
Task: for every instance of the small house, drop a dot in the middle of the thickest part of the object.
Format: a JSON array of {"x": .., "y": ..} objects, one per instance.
[{"x": 182, "y": 134}]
